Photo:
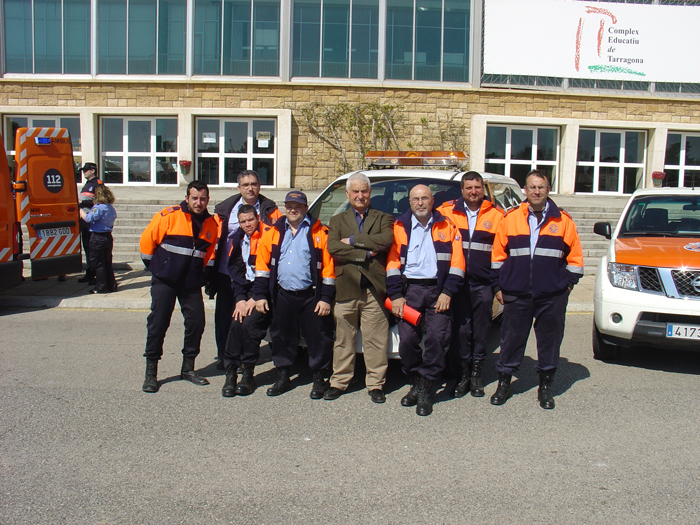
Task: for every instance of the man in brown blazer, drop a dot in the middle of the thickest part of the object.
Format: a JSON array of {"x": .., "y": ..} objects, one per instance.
[{"x": 359, "y": 239}]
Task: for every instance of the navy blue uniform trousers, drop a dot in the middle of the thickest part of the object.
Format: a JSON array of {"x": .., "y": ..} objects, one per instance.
[
  {"x": 292, "y": 311},
  {"x": 244, "y": 337},
  {"x": 163, "y": 298},
  {"x": 549, "y": 314},
  {"x": 430, "y": 362},
  {"x": 222, "y": 312},
  {"x": 472, "y": 311}
]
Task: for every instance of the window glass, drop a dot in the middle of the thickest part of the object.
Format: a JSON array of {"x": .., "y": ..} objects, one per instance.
[
  {"x": 266, "y": 36},
  {"x": 166, "y": 134},
  {"x": 546, "y": 144},
  {"x": 519, "y": 173},
  {"x": 207, "y": 136},
  {"x": 265, "y": 170},
  {"x": 521, "y": 144},
  {"x": 455, "y": 66},
  {"x": 18, "y": 36},
  {"x": 586, "y": 145},
  {"x": 608, "y": 178},
  {"x": 112, "y": 171},
  {"x": 236, "y": 56},
  {"x": 634, "y": 179},
  {"x": 634, "y": 147},
  {"x": 111, "y": 32},
  {"x": 139, "y": 169},
  {"x": 584, "y": 179},
  {"x": 207, "y": 37},
  {"x": 43, "y": 123},
  {"x": 365, "y": 37},
  {"x": 673, "y": 149},
  {"x": 166, "y": 170},
  {"x": 495, "y": 142},
  {"x": 609, "y": 147},
  {"x": 142, "y": 37},
  {"x": 428, "y": 39},
  {"x": 499, "y": 169},
  {"x": 263, "y": 136},
  {"x": 72, "y": 124},
  {"x": 172, "y": 25},
  {"x": 235, "y": 137},
  {"x": 692, "y": 151},
  {"x": 112, "y": 134},
  {"x": 399, "y": 39},
  {"x": 76, "y": 31},
  {"x": 306, "y": 38},
  {"x": 139, "y": 135},
  {"x": 47, "y": 36},
  {"x": 610, "y": 161},
  {"x": 232, "y": 167},
  {"x": 336, "y": 21},
  {"x": 208, "y": 170}
]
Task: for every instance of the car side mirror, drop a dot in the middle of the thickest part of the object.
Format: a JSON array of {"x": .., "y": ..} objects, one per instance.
[{"x": 603, "y": 228}]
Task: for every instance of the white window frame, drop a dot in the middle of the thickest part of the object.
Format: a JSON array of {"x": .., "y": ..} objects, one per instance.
[
  {"x": 533, "y": 162},
  {"x": 621, "y": 165},
  {"x": 249, "y": 155},
  {"x": 682, "y": 167},
  {"x": 125, "y": 153}
]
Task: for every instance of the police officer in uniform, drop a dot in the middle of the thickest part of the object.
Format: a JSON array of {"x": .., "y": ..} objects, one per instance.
[
  {"x": 177, "y": 246},
  {"x": 295, "y": 272},
  {"x": 537, "y": 259},
  {"x": 477, "y": 219},
  {"x": 226, "y": 213},
  {"x": 425, "y": 268},
  {"x": 248, "y": 326},
  {"x": 87, "y": 194}
]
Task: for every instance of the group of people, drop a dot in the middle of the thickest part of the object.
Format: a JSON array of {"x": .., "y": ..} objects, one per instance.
[
  {"x": 97, "y": 216},
  {"x": 292, "y": 274}
]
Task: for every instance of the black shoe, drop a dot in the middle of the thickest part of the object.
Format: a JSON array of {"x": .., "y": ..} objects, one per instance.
[
  {"x": 220, "y": 364},
  {"x": 464, "y": 384},
  {"x": 96, "y": 291},
  {"x": 544, "y": 392},
  {"x": 188, "y": 373},
  {"x": 424, "y": 406},
  {"x": 150, "y": 384},
  {"x": 477, "y": 385},
  {"x": 377, "y": 396},
  {"x": 247, "y": 383},
  {"x": 332, "y": 394},
  {"x": 86, "y": 278},
  {"x": 319, "y": 387},
  {"x": 282, "y": 385},
  {"x": 229, "y": 388},
  {"x": 410, "y": 399},
  {"x": 503, "y": 391}
]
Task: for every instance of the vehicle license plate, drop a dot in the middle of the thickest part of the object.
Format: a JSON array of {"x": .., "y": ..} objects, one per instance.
[
  {"x": 52, "y": 232},
  {"x": 683, "y": 331}
]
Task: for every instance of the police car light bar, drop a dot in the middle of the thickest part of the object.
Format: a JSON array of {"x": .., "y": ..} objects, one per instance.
[{"x": 416, "y": 158}]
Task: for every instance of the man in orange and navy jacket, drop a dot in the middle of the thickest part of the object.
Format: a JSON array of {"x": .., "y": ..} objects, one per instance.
[
  {"x": 294, "y": 271},
  {"x": 477, "y": 219},
  {"x": 248, "y": 326},
  {"x": 178, "y": 247},
  {"x": 537, "y": 258},
  {"x": 425, "y": 268}
]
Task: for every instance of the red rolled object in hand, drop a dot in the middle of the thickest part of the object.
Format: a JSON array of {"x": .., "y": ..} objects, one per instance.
[{"x": 409, "y": 314}]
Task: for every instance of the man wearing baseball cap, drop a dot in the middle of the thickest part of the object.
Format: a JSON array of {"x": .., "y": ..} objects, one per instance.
[
  {"x": 295, "y": 273},
  {"x": 87, "y": 194}
]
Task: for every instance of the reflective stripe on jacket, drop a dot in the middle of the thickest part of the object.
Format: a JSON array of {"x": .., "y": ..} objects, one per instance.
[
  {"x": 321, "y": 263},
  {"x": 477, "y": 248},
  {"x": 448, "y": 249},
  {"x": 171, "y": 253},
  {"x": 557, "y": 262}
]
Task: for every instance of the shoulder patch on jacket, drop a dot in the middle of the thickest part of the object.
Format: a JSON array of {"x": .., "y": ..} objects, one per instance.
[
  {"x": 566, "y": 213},
  {"x": 168, "y": 211}
]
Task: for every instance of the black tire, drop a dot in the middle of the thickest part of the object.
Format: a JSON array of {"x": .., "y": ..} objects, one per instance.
[{"x": 601, "y": 350}]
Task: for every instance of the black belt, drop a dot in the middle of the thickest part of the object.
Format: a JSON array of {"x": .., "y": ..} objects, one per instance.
[
  {"x": 102, "y": 233},
  {"x": 299, "y": 293},
  {"x": 422, "y": 282}
]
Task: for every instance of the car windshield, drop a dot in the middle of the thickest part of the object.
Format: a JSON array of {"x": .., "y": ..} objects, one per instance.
[
  {"x": 662, "y": 216},
  {"x": 388, "y": 195}
]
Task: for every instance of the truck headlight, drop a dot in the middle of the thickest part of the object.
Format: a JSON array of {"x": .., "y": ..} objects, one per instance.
[{"x": 623, "y": 276}]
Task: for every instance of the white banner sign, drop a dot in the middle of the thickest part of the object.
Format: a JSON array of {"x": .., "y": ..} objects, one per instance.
[{"x": 593, "y": 40}]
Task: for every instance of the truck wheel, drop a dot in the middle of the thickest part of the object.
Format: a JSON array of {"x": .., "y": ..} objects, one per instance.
[{"x": 601, "y": 350}]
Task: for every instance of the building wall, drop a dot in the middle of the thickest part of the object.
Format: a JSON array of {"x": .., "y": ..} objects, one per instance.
[{"x": 313, "y": 163}]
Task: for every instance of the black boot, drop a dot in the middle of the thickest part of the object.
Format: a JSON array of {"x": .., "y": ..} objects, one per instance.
[
  {"x": 188, "y": 373},
  {"x": 544, "y": 393},
  {"x": 282, "y": 384},
  {"x": 229, "y": 388},
  {"x": 89, "y": 277},
  {"x": 150, "y": 384},
  {"x": 477, "y": 386},
  {"x": 320, "y": 385},
  {"x": 503, "y": 392},
  {"x": 247, "y": 383},
  {"x": 424, "y": 406},
  {"x": 464, "y": 384},
  {"x": 410, "y": 399}
]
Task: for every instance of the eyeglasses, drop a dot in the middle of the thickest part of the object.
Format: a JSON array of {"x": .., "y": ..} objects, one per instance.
[
  {"x": 533, "y": 188},
  {"x": 419, "y": 200},
  {"x": 249, "y": 185}
]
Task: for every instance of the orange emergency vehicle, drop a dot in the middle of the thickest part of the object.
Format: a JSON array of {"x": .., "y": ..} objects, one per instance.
[{"x": 41, "y": 197}]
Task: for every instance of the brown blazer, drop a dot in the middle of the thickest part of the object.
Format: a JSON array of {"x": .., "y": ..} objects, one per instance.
[{"x": 351, "y": 261}]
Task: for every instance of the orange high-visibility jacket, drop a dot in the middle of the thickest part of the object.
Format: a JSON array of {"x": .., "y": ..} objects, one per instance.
[
  {"x": 241, "y": 286},
  {"x": 170, "y": 251},
  {"x": 477, "y": 247},
  {"x": 557, "y": 261},
  {"x": 448, "y": 248},
  {"x": 321, "y": 263}
]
